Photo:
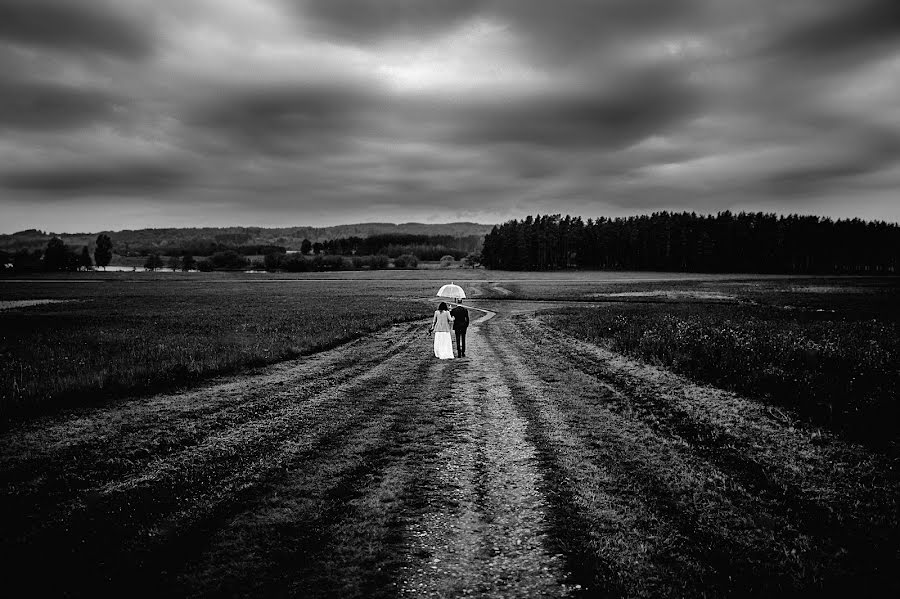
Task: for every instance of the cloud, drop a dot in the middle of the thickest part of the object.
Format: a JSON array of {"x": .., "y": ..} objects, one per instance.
[
  {"x": 632, "y": 109},
  {"x": 45, "y": 106},
  {"x": 370, "y": 21},
  {"x": 825, "y": 31},
  {"x": 125, "y": 178},
  {"x": 291, "y": 110},
  {"x": 283, "y": 119},
  {"x": 94, "y": 25},
  {"x": 560, "y": 27}
]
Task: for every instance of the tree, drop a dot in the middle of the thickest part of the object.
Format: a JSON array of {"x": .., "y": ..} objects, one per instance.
[
  {"x": 228, "y": 260},
  {"x": 306, "y": 247},
  {"x": 473, "y": 259},
  {"x": 379, "y": 262},
  {"x": 85, "y": 260},
  {"x": 103, "y": 251},
  {"x": 406, "y": 261},
  {"x": 317, "y": 248},
  {"x": 25, "y": 261},
  {"x": 55, "y": 255},
  {"x": 173, "y": 263},
  {"x": 188, "y": 262},
  {"x": 153, "y": 262},
  {"x": 271, "y": 260}
]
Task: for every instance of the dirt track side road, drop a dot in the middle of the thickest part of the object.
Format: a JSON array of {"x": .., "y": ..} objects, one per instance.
[{"x": 537, "y": 466}]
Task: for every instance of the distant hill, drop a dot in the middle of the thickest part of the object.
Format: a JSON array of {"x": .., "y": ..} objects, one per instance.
[{"x": 129, "y": 241}]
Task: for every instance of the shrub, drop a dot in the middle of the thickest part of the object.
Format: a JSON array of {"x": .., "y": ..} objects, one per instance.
[
  {"x": 228, "y": 260},
  {"x": 447, "y": 260},
  {"x": 272, "y": 260},
  {"x": 380, "y": 262},
  {"x": 406, "y": 261},
  {"x": 295, "y": 263},
  {"x": 205, "y": 266},
  {"x": 473, "y": 259},
  {"x": 329, "y": 262},
  {"x": 153, "y": 262}
]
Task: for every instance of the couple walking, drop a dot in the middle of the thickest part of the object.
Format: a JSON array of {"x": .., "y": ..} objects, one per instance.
[{"x": 444, "y": 320}]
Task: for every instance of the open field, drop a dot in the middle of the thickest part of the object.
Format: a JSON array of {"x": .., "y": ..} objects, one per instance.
[
  {"x": 105, "y": 339},
  {"x": 836, "y": 371},
  {"x": 556, "y": 460}
]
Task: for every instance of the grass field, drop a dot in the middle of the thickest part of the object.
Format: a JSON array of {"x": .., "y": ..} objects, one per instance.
[
  {"x": 834, "y": 371},
  {"x": 827, "y": 349},
  {"x": 565, "y": 456},
  {"x": 109, "y": 339}
]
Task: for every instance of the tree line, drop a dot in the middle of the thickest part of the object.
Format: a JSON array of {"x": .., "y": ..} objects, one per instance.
[
  {"x": 393, "y": 245},
  {"x": 313, "y": 257},
  {"x": 725, "y": 242},
  {"x": 58, "y": 257}
]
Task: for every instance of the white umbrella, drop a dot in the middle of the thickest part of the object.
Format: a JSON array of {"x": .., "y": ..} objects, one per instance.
[{"x": 452, "y": 291}]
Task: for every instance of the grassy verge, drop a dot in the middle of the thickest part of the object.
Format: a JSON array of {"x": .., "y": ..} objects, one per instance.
[
  {"x": 115, "y": 338},
  {"x": 834, "y": 371}
]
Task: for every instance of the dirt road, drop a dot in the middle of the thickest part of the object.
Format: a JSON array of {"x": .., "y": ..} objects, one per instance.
[{"x": 539, "y": 466}]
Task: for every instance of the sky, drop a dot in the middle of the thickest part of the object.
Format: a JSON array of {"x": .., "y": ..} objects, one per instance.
[{"x": 124, "y": 114}]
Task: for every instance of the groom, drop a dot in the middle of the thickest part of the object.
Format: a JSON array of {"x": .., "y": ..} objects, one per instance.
[{"x": 460, "y": 324}]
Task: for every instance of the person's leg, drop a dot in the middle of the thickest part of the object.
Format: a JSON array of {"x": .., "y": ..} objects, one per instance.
[
  {"x": 459, "y": 347},
  {"x": 461, "y": 342}
]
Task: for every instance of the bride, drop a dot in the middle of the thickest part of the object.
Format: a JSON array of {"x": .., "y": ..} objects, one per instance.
[{"x": 441, "y": 325}]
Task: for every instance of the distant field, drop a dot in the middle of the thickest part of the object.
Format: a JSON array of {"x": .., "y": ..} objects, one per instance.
[{"x": 110, "y": 338}]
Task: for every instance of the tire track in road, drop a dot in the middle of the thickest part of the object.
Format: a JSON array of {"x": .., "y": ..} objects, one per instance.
[
  {"x": 693, "y": 531},
  {"x": 612, "y": 540},
  {"x": 484, "y": 532},
  {"x": 327, "y": 527}
]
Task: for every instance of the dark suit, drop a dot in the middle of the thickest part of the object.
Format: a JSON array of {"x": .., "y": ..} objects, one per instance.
[{"x": 460, "y": 324}]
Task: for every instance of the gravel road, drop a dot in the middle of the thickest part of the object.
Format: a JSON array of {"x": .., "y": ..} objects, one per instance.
[{"x": 538, "y": 466}]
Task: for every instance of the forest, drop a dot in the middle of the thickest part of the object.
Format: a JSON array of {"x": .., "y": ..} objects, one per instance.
[
  {"x": 424, "y": 247},
  {"x": 725, "y": 242}
]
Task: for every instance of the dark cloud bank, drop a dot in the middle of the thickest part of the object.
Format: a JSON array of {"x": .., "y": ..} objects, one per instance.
[{"x": 137, "y": 113}]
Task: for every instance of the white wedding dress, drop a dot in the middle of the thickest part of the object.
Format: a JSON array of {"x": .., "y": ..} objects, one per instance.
[{"x": 443, "y": 342}]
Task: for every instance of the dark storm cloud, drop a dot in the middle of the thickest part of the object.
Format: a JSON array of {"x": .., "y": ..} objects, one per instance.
[
  {"x": 322, "y": 118},
  {"x": 831, "y": 29},
  {"x": 280, "y": 119},
  {"x": 48, "y": 106},
  {"x": 368, "y": 21},
  {"x": 557, "y": 25},
  {"x": 648, "y": 103},
  {"x": 69, "y": 24},
  {"x": 866, "y": 151},
  {"x": 127, "y": 178}
]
